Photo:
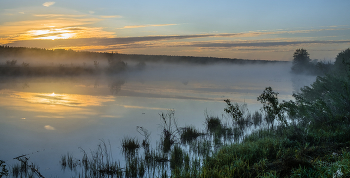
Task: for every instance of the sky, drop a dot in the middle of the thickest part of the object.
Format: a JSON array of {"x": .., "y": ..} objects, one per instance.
[{"x": 251, "y": 29}]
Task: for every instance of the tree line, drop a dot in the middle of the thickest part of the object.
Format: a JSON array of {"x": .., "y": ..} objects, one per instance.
[{"x": 302, "y": 64}]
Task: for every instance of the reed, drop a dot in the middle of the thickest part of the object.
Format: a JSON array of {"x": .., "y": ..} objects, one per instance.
[{"x": 189, "y": 134}]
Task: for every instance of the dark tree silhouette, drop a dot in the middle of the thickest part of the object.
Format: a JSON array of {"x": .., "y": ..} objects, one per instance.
[
  {"x": 342, "y": 59},
  {"x": 115, "y": 64},
  {"x": 301, "y": 61}
]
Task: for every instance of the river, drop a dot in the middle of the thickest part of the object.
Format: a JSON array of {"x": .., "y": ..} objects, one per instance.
[{"x": 47, "y": 117}]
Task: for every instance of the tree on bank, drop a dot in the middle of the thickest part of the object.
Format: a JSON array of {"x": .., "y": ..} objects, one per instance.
[
  {"x": 302, "y": 64},
  {"x": 327, "y": 100},
  {"x": 342, "y": 60},
  {"x": 301, "y": 61}
]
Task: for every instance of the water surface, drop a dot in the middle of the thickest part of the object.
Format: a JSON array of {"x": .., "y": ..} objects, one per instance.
[{"x": 46, "y": 117}]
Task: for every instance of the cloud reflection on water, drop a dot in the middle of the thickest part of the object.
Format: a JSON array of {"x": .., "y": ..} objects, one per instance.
[
  {"x": 51, "y": 105},
  {"x": 49, "y": 127},
  {"x": 71, "y": 100}
]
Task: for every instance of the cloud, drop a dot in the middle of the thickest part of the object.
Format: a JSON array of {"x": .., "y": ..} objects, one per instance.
[
  {"x": 260, "y": 43},
  {"x": 21, "y": 27},
  {"x": 57, "y": 27},
  {"x": 49, "y": 127},
  {"x": 91, "y": 12},
  {"x": 110, "y": 16},
  {"x": 83, "y": 41},
  {"x": 142, "y": 26},
  {"x": 162, "y": 41},
  {"x": 17, "y": 31},
  {"x": 57, "y": 15},
  {"x": 72, "y": 32},
  {"x": 48, "y": 4},
  {"x": 106, "y": 38}
]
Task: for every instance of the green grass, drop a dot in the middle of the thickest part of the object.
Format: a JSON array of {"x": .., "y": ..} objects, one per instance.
[{"x": 265, "y": 153}]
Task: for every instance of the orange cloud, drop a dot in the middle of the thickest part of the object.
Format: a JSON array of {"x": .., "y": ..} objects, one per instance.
[
  {"x": 76, "y": 32},
  {"x": 52, "y": 26},
  {"x": 21, "y": 27}
]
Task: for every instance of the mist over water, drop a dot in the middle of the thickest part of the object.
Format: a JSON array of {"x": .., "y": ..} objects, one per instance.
[{"x": 47, "y": 117}]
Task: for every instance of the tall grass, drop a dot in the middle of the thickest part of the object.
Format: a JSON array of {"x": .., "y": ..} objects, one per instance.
[
  {"x": 25, "y": 168},
  {"x": 130, "y": 146},
  {"x": 4, "y": 170}
]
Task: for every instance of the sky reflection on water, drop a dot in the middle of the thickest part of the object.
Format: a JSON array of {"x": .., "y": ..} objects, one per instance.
[{"x": 48, "y": 118}]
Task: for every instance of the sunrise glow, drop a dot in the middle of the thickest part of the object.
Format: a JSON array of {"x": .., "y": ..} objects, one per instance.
[
  {"x": 174, "y": 88},
  {"x": 51, "y": 34},
  {"x": 206, "y": 29},
  {"x": 53, "y": 102}
]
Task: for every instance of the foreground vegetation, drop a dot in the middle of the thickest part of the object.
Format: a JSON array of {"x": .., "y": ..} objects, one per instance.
[
  {"x": 307, "y": 137},
  {"x": 310, "y": 140}
]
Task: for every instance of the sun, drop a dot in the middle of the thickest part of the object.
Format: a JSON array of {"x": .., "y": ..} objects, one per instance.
[
  {"x": 53, "y": 94},
  {"x": 50, "y": 38}
]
